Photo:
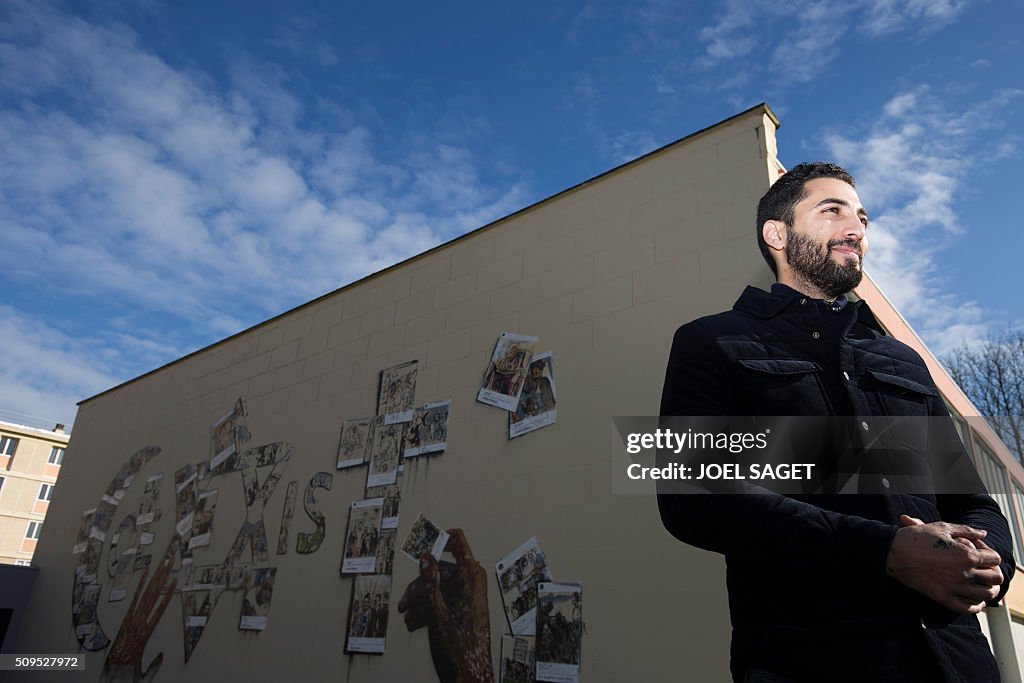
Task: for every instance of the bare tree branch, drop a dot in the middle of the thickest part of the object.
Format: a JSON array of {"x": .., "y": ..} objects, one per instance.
[{"x": 992, "y": 375}]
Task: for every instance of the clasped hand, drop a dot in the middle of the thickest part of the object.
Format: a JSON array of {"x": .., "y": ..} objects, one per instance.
[{"x": 948, "y": 563}]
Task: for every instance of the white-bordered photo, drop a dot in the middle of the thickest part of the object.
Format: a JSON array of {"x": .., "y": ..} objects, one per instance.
[
  {"x": 368, "y": 614},
  {"x": 428, "y": 431},
  {"x": 354, "y": 446},
  {"x": 397, "y": 395},
  {"x": 537, "y": 400},
  {"x": 256, "y": 605},
  {"x": 505, "y": 374},
  {"x": 222, "y": 439},
  {"x": 518, "y": 574},
  {"x": 363, "y": 535},
  {"x": 425, "y": 538},
  {"x": 385, "y": 455},
  {"x": 202, "y": 522},
  {"x": 559, "y": 631},
  {"x": 518, "y": 659}
]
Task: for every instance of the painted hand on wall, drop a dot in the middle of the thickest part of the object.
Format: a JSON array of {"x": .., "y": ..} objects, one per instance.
[
  {"x": 124, "y": 661},
  {"x": 450, "y": 600}
]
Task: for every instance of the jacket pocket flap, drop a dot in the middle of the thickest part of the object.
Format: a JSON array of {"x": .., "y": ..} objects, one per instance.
[
  {"x": 902, "y": 382},
  {"x": 780, "y": 366}
]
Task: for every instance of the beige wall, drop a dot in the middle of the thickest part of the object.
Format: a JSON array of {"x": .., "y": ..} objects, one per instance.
[
  {"x": 23, "y": 475},
  {"x": 603, "y": 274}
]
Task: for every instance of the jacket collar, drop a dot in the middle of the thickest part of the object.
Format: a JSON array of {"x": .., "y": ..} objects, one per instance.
[{"x": 766, "y": 305}]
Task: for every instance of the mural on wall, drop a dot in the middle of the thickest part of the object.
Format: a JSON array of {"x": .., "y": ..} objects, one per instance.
[
  {"x": 385, "y": 453},
  {"x": 368, "y": 614},
  {"x": 425, "y": 538},
  {"x": 536, "y": 407},
  {"x": 363, "y": 534},
  {"x": 504, "y": 377},
  {"x": 428, "y": 431},
  {"x": 308, "y": 543},
  {"x": 559, "y": 631},
  {"x": 287, "y": 512},
  {"x": 354, "y": 447},
  {"x": 85, "y": 593},
  {"x": 517, "y": 659},
  {"x": 397, "y": 394},
  {"x": 449, "y": 599},
  {"x": 519, "y": 572}
]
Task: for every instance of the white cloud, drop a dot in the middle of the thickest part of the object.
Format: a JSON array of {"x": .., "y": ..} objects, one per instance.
[
  {"x": 910, "y": 169},
  {"x": 803, "y": 38},
  {"x": 889, "y": 16},
  {"x": 192, "y": 209}
]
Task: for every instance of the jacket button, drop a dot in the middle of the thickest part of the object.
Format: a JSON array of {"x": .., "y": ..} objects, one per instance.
[
  {"x": 885, "y": 482},
  {"x": 816, "y": 334},
  {"x": 803, "y": 301},
  {"x": 846, "y": 375},
  {"x": 864, "y": 426}
]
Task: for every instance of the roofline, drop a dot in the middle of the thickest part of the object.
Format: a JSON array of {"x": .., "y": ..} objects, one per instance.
[
  {"x": 763, "y": 107},
  {"x": 35, "y": 431}
]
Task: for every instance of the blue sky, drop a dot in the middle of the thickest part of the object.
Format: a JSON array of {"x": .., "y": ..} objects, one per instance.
[{"x": 172, "y": 173}]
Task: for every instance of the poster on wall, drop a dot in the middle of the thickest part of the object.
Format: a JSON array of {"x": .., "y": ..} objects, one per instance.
[
  {"x": 389, "y": 512},
  {"x": 397, "y": 393},
  {"x": 537, "y": 401},
  {"x": 256, "y": 605},
  {"x": 202, "y": 522},
  {"x": 185, "y": 500},
  {"x": 505, "y": 374},
  {"x": 519, "y": 572},
  {"x": 385, "y": 454},
  {"x": 425, "y": 538},
  {"x": 428, "y": 431},
  {"x": 368, "y": 614},
  {"x": 559, "y": 631},
  {"x": 517, "y": 659},
  {"x": 386, "y": 551},
  {"x": 195, "y": 610},
  {"x": 362, "y": 537},
  {"x": 225, "y": 435},
  {"x": 149, "y": 496},
  {"x": 354, "y": 446}
]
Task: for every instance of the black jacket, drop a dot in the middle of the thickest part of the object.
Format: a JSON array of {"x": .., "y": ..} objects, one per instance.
[{"x": 808, "y": 592}]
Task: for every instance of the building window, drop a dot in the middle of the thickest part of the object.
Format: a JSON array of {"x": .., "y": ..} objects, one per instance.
[
  {"x": 993, "y": 474},
  {"x": 34, "y": 529},
  {"x": 46, "y": 492},
  {"x": 56, "y": 455},
  {"x": 8, "y": 445}
]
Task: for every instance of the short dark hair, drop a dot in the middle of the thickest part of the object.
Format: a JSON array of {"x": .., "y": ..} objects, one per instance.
[{"x": 779, "y": 202}]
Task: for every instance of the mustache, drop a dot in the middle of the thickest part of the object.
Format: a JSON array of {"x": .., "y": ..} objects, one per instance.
[{"x": 849, "y": 243}]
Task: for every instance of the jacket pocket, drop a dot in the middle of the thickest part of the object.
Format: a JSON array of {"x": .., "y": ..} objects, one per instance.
[
  {"x": 782, "y": 386},
  {"x": 905, "y": 401}
]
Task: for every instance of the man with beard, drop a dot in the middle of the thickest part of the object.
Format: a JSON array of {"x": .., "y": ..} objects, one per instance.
[{"x": 873, "y": 576}]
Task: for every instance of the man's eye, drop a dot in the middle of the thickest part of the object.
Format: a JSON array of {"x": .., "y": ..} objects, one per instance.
[{"x": 833, "y": 209}]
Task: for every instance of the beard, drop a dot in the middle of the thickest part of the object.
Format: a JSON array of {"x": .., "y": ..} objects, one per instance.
[{"x": 815, "y": 265}]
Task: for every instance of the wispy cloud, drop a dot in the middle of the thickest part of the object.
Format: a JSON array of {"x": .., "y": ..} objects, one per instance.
[
  {"x": 807, "y": 35},
  {"x": 148, "y": 189},
  {"x": 911, "y": 166},
  {"x": 299, "y": 36}
]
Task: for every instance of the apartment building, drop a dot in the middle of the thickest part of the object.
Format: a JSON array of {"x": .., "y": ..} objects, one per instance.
[{"x": 30, "y": 462}]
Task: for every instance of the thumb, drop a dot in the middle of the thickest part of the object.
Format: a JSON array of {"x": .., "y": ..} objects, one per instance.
[{"x": 907, "y": 520}]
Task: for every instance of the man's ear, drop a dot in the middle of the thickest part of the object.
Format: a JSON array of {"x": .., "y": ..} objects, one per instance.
[{"x": 774, "y": 233}]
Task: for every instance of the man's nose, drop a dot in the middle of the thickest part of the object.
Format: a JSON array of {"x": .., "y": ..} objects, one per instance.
[{"x": 854, "y": 229}]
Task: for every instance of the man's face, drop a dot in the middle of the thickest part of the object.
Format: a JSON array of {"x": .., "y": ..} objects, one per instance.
[
  {"x": 827, "y": 242},
  {"x": 536, "y": 372}
]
